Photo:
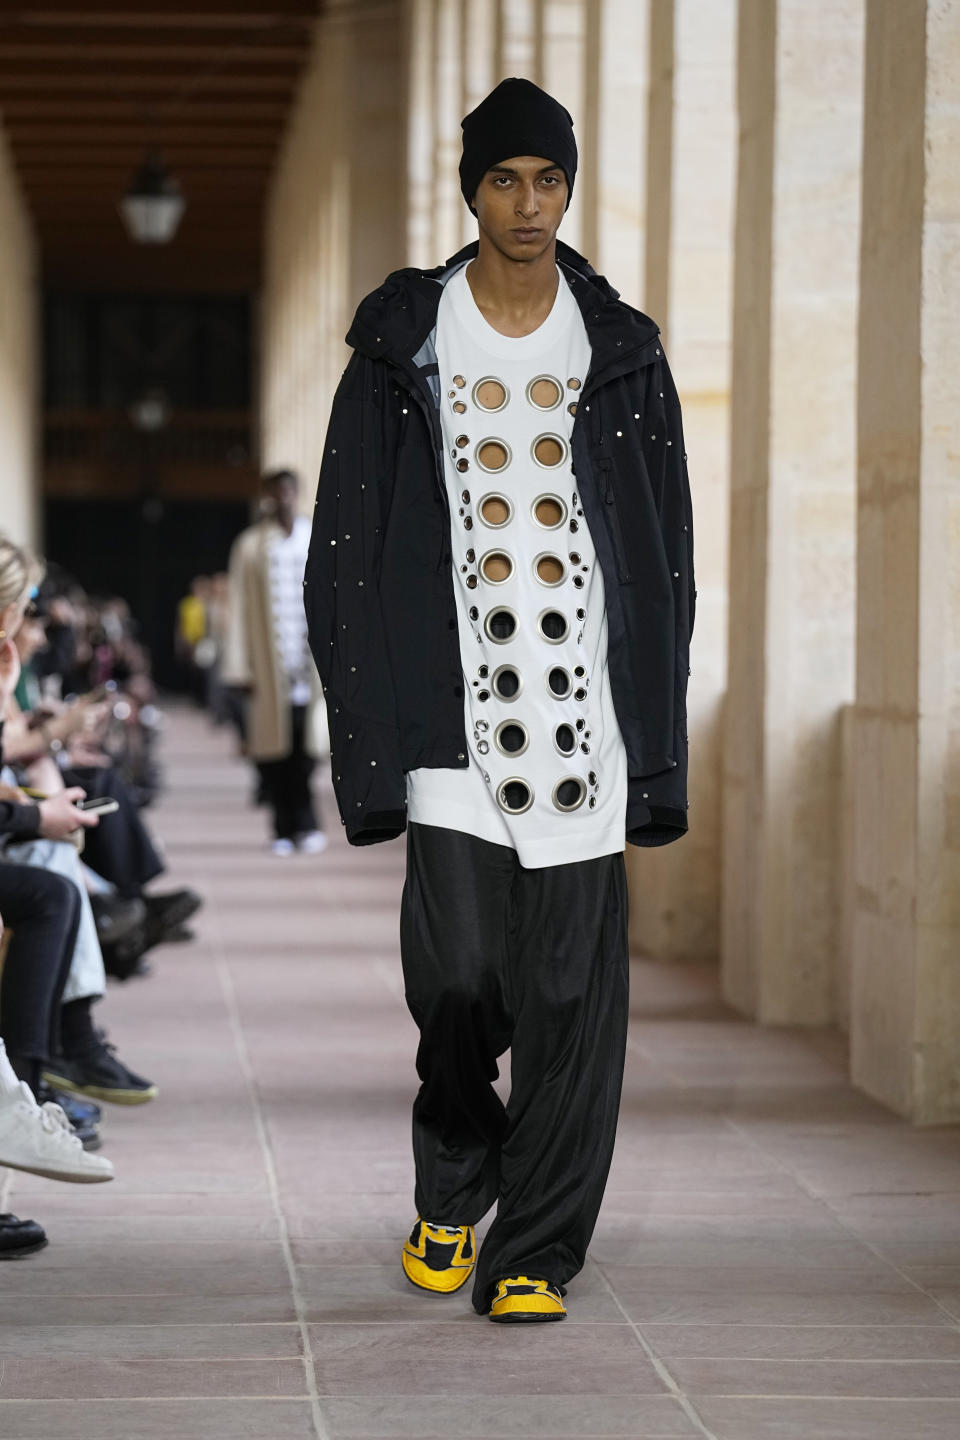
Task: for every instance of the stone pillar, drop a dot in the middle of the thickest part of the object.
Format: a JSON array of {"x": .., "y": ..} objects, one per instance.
[
  {"x": 515, "y": 38},
  {"x": 675, "y": 892},
  {"x": 335, "y": 225},
  {"x": 19, "y": 500},
  {"x": 477, "y": 46},
  {"x": 420, "y": 132},
  {"x": 621, "y": 144},
  {"x": 447, "y": 91},
  {"x": 905, "y": 1002},
  {"x": 563, "y": 72},
  {"x": 792, "y": 535}
]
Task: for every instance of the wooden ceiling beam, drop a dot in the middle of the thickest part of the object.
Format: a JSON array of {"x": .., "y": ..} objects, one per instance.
[
  {"x": 148, "y": 52},
  {"x": 30, "y": 138},
  {"x": 192, "y": 109},
  {"x": 161, "y": 12},
  {"x": 173, "y": 83},
  {"x": 85, "y": 163}
]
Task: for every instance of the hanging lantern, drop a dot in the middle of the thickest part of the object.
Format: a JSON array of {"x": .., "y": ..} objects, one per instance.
[{"x": 153, "y": 204}]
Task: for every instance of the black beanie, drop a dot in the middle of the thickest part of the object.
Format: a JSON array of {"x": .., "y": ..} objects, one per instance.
[{"x": 517, "y": 118}]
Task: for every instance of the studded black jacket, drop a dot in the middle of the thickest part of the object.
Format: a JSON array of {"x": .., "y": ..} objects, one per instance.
[{"x": 379, "y": 591}]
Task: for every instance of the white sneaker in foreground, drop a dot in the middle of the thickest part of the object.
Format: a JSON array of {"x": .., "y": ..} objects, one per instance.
[
  {"x": 281, "y": 847},
  {"x": 312, "y": 844},
  {"x": 38, "y": 1138}
]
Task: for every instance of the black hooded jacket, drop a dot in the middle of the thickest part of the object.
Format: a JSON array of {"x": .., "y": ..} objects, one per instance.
[{"x": 379, "y": 590}]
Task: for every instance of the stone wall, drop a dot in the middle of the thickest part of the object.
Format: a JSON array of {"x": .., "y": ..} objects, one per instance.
[{"x": 18, "y": 360}]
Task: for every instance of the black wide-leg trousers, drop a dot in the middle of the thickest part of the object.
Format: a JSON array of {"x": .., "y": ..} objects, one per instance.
[
  {"x": 498, "y": 957},
  {"x": 287, "y": 783}
]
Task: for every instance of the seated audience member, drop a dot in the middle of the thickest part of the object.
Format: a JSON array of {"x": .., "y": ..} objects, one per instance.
[
  {"x": 61, "y": 745},
  {"x": 45, "y": 912},
  {"x": 85, "y": 1064}
]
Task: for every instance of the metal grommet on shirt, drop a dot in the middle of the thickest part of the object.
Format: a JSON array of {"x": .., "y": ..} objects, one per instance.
[
  {"x": 506, "y": 682},
  {"x": 495, "y": 510},
  {"x": 549, "y": 511},
  {"x": 559, "y": 682},
  {"x": 490, "y": 394},
  {"x": 514, "y": 796},
  {"x": 565, "y": 739},
  {"x": 493, "y": 454},
  {"x": 549, "y": 569},
  {"x": 569, "y": 793},
  {"x": 544, "y": 392},
  {"x": 511, "y": 737},
  {"x": 553, "y": 626},
  {"x": 500, "y": 625},
  {"x": 496, "y": 567},
  {"x": 549, "y": 451}
]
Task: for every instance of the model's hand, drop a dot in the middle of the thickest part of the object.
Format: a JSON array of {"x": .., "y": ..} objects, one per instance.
[
  {"x": 9, "y": 672},
  {"x": 59, "y": 816}
]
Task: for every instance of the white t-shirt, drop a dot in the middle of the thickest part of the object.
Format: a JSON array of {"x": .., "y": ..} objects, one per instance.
[
  {"x": 287, "y": 562},
  {"x": 547, "y": 772}
]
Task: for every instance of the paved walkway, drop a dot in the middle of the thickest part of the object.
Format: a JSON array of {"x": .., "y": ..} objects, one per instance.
[{"x": 776, "y": 1257}]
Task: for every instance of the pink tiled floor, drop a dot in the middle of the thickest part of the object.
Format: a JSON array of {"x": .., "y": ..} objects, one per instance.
[{"x": 777, "y": 1259}]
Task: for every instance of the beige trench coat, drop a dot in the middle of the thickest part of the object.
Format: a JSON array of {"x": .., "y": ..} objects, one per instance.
[{"x": 251, "y": 658}]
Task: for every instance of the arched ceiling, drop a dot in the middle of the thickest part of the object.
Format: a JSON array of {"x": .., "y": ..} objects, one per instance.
[{"x": 87, "y": 87}]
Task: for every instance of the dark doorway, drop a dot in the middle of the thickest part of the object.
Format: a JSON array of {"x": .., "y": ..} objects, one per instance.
[{"x": 148, "y": 551}]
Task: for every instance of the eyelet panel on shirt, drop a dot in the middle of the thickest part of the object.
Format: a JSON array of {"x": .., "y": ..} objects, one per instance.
[
  {"x": 559, "y": 682},
  {"x": 493, "y": 455},
  {"x": 500, "y": 625},
  {"x": 496, "y": 567},
  {"x": 569, "y": 794},
  {"x": 549, "y": 569},
  {"x": 549, "y": 451},
  {"x": 549, "y": 511},
  {"x": 565, "y": 740},
  {"x": 514, "y": 795},
  {"x": 506, "y": 682},
  {"x": 490, "y": 394},
  {"x": 511, "y": 737},
  {"x": 553, "y": 626},
  {"x": 544, "y": 392},
  {"x": 495, "y": 510}
]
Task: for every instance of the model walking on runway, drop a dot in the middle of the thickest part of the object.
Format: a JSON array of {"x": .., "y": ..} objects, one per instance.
[{"x": 500, "y": 598}]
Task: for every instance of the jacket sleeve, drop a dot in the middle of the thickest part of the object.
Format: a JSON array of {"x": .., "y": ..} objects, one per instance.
[
  {"x": 341, "y": 597},
  {"x": 657, "y": 804}
]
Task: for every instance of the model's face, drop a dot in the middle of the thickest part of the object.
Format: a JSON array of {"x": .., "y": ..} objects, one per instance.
[
  {"x": 285, "y": 501},
  {"x": 520, "y": 204}
]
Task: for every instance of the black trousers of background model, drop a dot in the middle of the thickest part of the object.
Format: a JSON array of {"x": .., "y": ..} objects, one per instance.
[
  {"x": 287, "y": 783},
  {"x": 498, "y": 957},
  {"x": 43, "y": 913}
]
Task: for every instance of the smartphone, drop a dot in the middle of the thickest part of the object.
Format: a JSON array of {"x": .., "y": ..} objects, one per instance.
[{"x": 104, "y": 805}]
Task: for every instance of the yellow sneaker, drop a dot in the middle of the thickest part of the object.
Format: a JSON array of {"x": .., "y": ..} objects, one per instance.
[
  {"x": 439, "y": 1258},
  {"x": 518, "y": 1298}
]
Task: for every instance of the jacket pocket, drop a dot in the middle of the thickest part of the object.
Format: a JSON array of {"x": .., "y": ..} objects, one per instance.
[{"x": 611, "y": 511}]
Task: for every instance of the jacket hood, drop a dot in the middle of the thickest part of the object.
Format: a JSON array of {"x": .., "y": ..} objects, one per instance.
[{"x": 393, "y": 321}]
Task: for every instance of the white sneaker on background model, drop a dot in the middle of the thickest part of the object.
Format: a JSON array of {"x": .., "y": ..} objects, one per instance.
[
  {"x": 313, "y": 843},
  {"x": 281, "y": 847},
  {"x": 38, "y": 1139}
]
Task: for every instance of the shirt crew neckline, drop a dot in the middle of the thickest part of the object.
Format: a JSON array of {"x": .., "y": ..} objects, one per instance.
[{"x": 507, "y": 347}]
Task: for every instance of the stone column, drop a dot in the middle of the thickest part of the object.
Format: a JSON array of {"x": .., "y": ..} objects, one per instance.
[
  {"x": 792, "y": 536},
  {"x": 621, "y": 144},
  {"x": 905, "y": 1002},
  {"x": 18, "y": 360},
  {"x": 675, "y": 892},
  {"x": 420, "y": 131},
  {"x": 448, "y": 89}
]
